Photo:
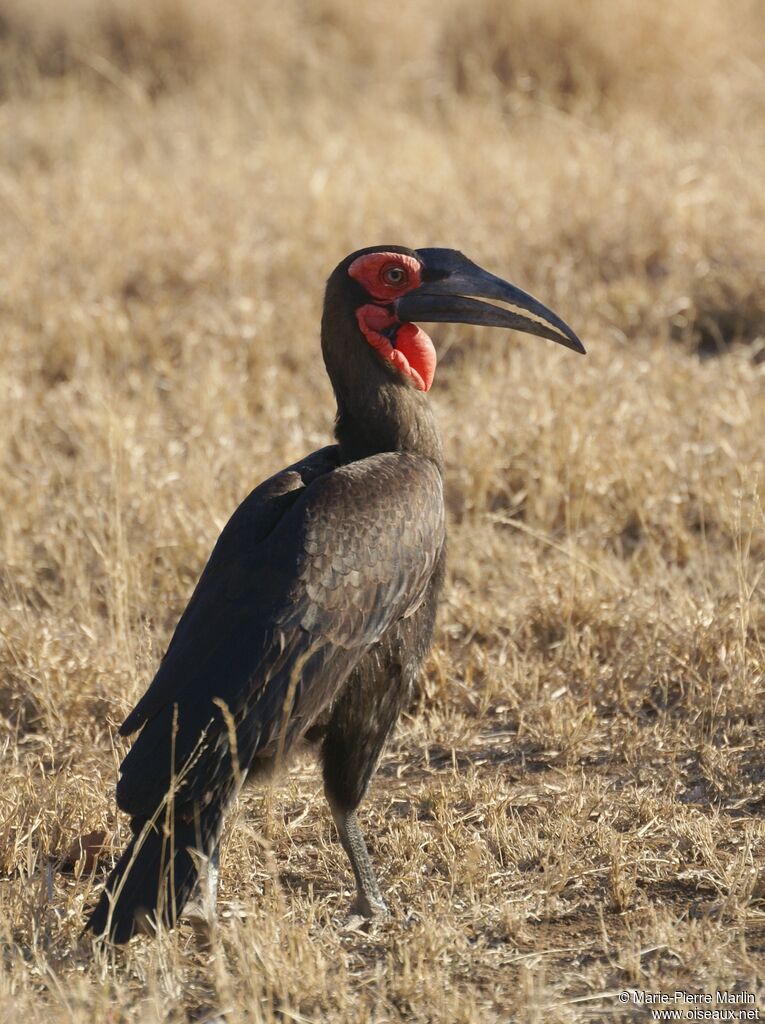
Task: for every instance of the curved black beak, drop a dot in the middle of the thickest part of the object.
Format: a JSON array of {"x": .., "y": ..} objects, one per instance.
[{"x": 451, "y": 290}]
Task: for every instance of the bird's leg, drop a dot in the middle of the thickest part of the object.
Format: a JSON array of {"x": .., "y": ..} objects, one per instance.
[
  {"x": 202, "y": 905},
  {"x": 210, "y": 881},
  {"x": 369, "y": 902},
  {"x": 361, "y": 719}
]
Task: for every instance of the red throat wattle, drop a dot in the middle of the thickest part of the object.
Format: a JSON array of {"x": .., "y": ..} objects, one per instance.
[{"x": 410, "y": 351}]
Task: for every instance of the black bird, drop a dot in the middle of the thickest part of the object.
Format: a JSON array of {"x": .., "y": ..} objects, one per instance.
[{"x": 315, "y": 611}]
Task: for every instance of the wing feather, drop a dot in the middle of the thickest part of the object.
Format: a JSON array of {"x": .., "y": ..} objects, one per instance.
[{"x": 311, "y": 571}]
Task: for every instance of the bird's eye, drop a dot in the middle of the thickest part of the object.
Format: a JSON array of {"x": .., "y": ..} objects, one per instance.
[{"x": 394, "y": 275}]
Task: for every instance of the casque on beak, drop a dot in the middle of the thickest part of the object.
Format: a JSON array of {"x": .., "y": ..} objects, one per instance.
[{"x": 453, "y": 287}]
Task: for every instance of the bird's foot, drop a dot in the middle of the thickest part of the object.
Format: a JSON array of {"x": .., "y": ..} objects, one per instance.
[
  {"x": 365, "y": 915},
  {"x": 203, "y": 921},
  {"x": 369, "y": 906},
  {"x": 201, "y": 910},
  {"x": 197, "y": 911}
]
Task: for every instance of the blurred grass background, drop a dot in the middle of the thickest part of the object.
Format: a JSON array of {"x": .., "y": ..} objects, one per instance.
[{"x": 576, "y": 805}]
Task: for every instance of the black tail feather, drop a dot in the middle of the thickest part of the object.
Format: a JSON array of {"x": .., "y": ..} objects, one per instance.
[{"x": 153, "y": 878}]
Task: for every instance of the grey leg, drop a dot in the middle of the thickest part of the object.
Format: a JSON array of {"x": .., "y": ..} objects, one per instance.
[
  {"x": 201, "y": 906},
  {"x": 211, "y": 877},
  {"x": 368, "y": 902}
]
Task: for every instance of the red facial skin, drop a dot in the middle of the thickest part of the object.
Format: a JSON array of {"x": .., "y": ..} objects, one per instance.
[
  {"x": 411, "y": 351},
  {"x": 370, "y": 272}
]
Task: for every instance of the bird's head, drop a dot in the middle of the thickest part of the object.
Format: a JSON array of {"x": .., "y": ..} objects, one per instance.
[{"x": 388, "y": 289}]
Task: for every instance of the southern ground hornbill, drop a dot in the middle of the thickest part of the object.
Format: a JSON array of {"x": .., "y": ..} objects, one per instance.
[{"x": 316, "y": 608}]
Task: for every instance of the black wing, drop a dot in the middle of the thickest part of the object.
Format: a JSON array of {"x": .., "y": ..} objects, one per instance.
[
  {"x": 203, "y": 628},
  {"x": 312, "y": 569}
]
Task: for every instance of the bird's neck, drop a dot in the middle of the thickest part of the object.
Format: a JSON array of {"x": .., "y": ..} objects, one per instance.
[
  {"x": 377, "y": 411},
  {"x": 390, "y": 417}
]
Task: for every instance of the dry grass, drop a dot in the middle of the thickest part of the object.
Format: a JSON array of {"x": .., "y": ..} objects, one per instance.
[{"x": 576, "y": 805}]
